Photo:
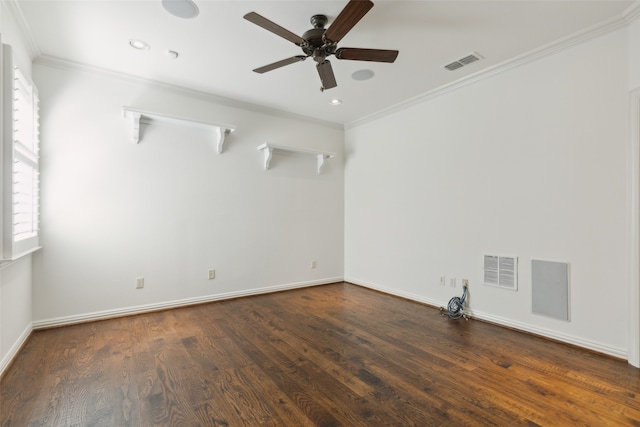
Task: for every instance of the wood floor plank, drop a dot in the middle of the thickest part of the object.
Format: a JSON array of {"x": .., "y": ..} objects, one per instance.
[
  {"x": 292, "y": 376},
  {"x": 374, "y": 351},
  {"x": 333, "y": 355}
]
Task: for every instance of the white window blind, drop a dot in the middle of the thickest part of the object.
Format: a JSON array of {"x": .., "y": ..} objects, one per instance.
[
  {"x": 21, "y": 177},
  {"x": 26, "y": 180}
]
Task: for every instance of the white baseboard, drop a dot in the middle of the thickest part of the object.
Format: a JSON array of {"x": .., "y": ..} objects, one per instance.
[
  {"x": 101, "y": 315},
  {"x": 620, "y": 353},
  {"x": 13, "y": 351},
  {"x": 128, "y": 311},
  {"x": 396, "y": 292}
]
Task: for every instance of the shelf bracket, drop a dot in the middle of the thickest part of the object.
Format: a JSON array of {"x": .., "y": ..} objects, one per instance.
[
  {"x": 135, "y": 123},
  {"x": 221, "y": 134},
  {"x": 321, "y": 159},
  {"x": 268, "y": 153}
]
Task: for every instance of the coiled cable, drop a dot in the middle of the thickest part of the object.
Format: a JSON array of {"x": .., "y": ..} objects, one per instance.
[{"x": 455, "y": 308}]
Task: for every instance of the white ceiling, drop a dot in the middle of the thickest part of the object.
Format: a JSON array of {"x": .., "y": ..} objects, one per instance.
[{"x": 219, "y": 49}]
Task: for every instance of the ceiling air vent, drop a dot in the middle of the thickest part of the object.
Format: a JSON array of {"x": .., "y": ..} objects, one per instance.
[
  {"x": 454, "y": 66},
  {"x": 463, "y": 61}
]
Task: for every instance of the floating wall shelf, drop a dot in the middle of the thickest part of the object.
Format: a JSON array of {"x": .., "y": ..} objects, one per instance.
[
  {"x": 139, "y": 116},
  {"x": 268, "y": 148}
]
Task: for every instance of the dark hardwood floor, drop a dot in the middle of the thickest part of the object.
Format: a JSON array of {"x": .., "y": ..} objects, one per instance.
[{"x": 333, "y": 355}]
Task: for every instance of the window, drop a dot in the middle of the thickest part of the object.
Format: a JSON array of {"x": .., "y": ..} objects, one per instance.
[{"x": 20, "y": 161}]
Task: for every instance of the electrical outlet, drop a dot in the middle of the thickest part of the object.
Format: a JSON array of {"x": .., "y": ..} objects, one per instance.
[
  {"x": 313, "y": 264},
  {"x": 139, "y": 282},
  {"x": 442, "y": 280},
  {"x": 465, "y": 282},
  {"x": 452, "y": 282},
  {"x": 212, "y": 274}
]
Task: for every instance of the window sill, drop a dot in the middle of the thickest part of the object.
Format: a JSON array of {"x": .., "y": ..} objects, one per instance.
[{"x": 8, "y": 262}]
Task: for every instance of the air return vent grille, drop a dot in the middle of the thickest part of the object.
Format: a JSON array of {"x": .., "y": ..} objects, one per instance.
[
  {"x": 469, "y": 59},
  {"x": 454, "y": 66},
  {"x": 501, "y": 271},
  {"x": 550, "y": 288}
]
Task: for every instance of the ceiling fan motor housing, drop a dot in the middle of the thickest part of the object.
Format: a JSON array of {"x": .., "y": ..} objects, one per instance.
[{"x": 317, "y": 47}]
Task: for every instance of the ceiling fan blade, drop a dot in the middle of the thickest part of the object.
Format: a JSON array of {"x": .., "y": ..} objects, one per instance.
[
  {"x": 347, "y": 19},
  {"x": 327, "y": 77},
  {"x": 375, "y": 55},
  {"x": 279, "y": 64},
  {"x": 263, "y": 22}
]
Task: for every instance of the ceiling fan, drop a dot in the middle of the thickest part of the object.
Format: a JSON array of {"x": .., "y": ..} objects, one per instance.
[{"x": 320, "y": 42}]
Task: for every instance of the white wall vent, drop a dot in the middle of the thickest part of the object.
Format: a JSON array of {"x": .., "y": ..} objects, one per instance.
[
  {"x": 473, "y": 57},
  {"x": 501, "y": 271}
]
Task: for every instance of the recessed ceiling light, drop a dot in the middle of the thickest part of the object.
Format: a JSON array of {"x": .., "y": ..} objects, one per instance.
[
  {"x": 181, "y": 8},
  {"x": 138, "y": 44},
  {"x": 361, "y": 75},
  {"x": 335, "y": 102}
]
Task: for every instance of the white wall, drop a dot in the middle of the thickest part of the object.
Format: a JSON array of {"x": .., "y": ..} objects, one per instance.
[
  {"x": 634, "y": 54},
  {"x": 634, "y": 160},
  {"x": 15, "y": 279},
  {"x": 170, "y": 208},
  {"x": 531, "y": 162},
  {"x": 15, "y": 308},
  {"x": 12, "y": 34}
]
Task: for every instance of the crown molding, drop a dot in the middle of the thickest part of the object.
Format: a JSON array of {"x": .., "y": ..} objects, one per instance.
[
  {"x": 55, "y": 62},
  {"x": 13, "y": 8},
  {"x": 632, "y": 13},
  {"x": 579, "y": 37}
]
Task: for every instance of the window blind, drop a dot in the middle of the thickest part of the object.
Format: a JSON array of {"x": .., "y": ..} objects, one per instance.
[
  {"x": 20, "y": 160},
  {"x": 26, "y": 180}
]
